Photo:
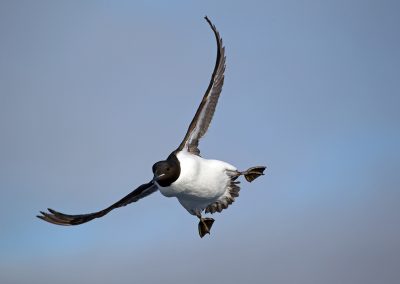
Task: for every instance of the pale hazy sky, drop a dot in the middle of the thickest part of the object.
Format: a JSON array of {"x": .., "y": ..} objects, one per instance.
[{"x": 92, "y": 93}]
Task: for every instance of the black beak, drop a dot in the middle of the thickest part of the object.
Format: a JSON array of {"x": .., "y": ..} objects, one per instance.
[{"x": 157, "y": 176}]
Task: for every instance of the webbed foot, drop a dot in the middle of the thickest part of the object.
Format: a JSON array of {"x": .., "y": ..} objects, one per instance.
[
  {"x": 253, "y": 173},
  {"x": 205, "y": 225}
]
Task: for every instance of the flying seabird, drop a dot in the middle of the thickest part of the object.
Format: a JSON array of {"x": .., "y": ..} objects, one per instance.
[{"x": 199, "y": 184}]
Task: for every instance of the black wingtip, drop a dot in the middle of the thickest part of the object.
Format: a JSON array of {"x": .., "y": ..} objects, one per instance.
[
  {"x": 43, "y": 216},
  {"x": 52, "y": 211},
  {"x": 208, "y": 21},
  {"x": 51, "y": 217}
]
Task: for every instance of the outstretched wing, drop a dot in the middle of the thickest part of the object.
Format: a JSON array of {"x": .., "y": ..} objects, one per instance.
[
  {"x": 202, "y": 119},
  {"x": 68, "y": 220}
]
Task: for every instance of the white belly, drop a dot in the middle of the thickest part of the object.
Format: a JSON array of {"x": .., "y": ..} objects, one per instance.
[{"x": 200, "y": 183}]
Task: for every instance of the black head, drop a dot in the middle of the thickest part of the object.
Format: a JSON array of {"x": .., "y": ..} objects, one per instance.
[{"x": 168, "y": 171}]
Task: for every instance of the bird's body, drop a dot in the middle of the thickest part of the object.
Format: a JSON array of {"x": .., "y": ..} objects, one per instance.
[{"x": 199, "y": 184}]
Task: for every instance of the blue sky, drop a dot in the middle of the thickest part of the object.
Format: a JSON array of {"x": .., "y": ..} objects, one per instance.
[{"x": 92, "y": 93}]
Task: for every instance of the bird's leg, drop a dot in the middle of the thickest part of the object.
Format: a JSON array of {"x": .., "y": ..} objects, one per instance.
[{"x": 205, "y": 225}]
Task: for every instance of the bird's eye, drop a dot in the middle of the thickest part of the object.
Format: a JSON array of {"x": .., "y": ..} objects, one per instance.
[{"x": 167, "y": 169}]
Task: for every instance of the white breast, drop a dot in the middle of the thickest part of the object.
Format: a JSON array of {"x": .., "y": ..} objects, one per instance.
[{"x": 201, "y": 181}]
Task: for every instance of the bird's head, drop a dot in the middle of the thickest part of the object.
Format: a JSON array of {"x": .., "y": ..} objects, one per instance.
[{"x": 166, "y": 172}]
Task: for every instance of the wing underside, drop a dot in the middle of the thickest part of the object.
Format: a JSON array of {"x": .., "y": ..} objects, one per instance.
[
  {"x": 58, "y": 218},
  {"x": 204, "y": 114}
]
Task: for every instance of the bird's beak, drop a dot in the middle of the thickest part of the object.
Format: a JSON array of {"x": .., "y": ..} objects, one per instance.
[{"x": 157, "y": 177}]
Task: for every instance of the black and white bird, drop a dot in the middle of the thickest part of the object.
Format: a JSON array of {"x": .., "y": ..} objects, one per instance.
[{"x": 199, "y": 184}]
